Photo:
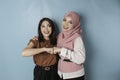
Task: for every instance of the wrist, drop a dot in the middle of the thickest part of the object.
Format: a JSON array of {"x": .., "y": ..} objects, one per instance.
[
  {"x": 59, "y": 50},
  {"x": 43, "y": 49}
]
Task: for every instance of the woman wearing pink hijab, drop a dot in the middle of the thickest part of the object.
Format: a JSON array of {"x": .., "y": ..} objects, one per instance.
[{"x": 70, "y": 48}]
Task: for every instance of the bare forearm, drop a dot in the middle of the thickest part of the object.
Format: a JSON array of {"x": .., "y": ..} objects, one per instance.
[{"x": 30, "y": 52}]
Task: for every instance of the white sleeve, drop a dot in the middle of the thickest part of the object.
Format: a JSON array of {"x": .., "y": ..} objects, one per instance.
[{"x": 78, "y": 54}]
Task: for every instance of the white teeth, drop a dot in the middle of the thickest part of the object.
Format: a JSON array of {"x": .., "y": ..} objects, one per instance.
[
  {"x": 65, "y": 27},
  {"x": 46, "y": 32}
]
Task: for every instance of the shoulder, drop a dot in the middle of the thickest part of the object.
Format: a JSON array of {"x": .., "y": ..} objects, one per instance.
[
  {"x": 60, "y": 35},
  {"x": 34, "y": 42},
  {"x": 78, "y": 40},
  {"x": 79, "y": 44}
]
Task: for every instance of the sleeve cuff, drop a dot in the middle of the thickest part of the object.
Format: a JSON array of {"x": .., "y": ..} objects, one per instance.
[{"x": 63, "y": 52}]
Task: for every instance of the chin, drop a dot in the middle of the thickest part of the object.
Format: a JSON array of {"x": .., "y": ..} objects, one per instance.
[{"x": 66, "y": 29}]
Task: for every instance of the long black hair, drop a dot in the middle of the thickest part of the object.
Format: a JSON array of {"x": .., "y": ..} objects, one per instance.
[{"x": 53, "y": 35}]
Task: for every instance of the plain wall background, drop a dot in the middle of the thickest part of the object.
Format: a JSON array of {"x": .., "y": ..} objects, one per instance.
[{"x": 100, "y": 21}]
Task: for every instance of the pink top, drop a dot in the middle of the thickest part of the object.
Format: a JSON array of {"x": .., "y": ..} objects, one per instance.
[{"x": 77, "y": 56}]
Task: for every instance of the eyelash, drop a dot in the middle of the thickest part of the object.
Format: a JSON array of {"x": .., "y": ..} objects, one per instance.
[
  {"x": 44, "y": 26},
  {"x": 70, "y": 22},
  {"x": 49, "y": 25},
  {"x": 65, "y": 20}
]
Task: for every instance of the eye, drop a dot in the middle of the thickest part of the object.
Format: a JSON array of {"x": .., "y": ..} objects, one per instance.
[
  {"x": 64, "y": 19},
  {"x": 70, "y": 22},
  {"x": 49, "y": 25},
  {"x": 42, "y": 26}
]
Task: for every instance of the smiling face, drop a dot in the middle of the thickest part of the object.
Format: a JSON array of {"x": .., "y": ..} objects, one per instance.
[
  {"x": 46, "y": 29},
  {"x": 67, "y": 23}
]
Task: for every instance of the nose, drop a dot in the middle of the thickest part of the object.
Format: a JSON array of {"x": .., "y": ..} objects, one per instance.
[
  {"x": 66, "y": 23},
  {"x": 46, "y": 29}
]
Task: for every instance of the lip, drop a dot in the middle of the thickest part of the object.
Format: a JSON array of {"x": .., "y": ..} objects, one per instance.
[
  {"x": 65, "y": 27},
  {"x": 46, "y": 32}
]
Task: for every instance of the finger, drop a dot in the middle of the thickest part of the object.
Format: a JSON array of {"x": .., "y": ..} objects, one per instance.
[{"x": 55, "y": 52}]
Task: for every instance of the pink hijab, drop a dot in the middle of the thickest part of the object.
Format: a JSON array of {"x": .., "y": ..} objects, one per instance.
[{"x": 66, "y": 38}]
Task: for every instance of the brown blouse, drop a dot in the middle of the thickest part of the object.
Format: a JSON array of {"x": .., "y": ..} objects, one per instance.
[{"x": 44, "y": 58}]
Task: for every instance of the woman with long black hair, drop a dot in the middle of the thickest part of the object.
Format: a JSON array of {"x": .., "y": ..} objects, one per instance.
[{"x": 42, "y": 51}]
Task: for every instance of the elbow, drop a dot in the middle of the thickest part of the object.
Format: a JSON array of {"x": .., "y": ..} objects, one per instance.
[
  {"x": 24, "y": 54},
  {"x": 81, "y": 61}
]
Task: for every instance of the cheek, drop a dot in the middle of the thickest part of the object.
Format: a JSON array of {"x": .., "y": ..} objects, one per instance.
[
  {"x": 70, "y": 26},
  {"x": 50, "y": 29},
  {"x": 63, "y": 23},
  {"x": 42, "y": 30}
]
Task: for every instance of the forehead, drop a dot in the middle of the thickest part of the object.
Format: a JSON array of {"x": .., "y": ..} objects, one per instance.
[
  {"x": 68, "y": 18},
  {"x": 45, "y": 22}
]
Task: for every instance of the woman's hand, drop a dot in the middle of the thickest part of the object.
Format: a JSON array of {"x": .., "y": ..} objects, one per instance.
[
  {"x": 49, "y": 50},
  {"x": 57, "y": 50},
  {"x": 35, "y": 38}
]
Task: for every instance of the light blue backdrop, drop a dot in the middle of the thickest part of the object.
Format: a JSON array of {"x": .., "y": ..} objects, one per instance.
[{"x": 100, "y": 21}]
